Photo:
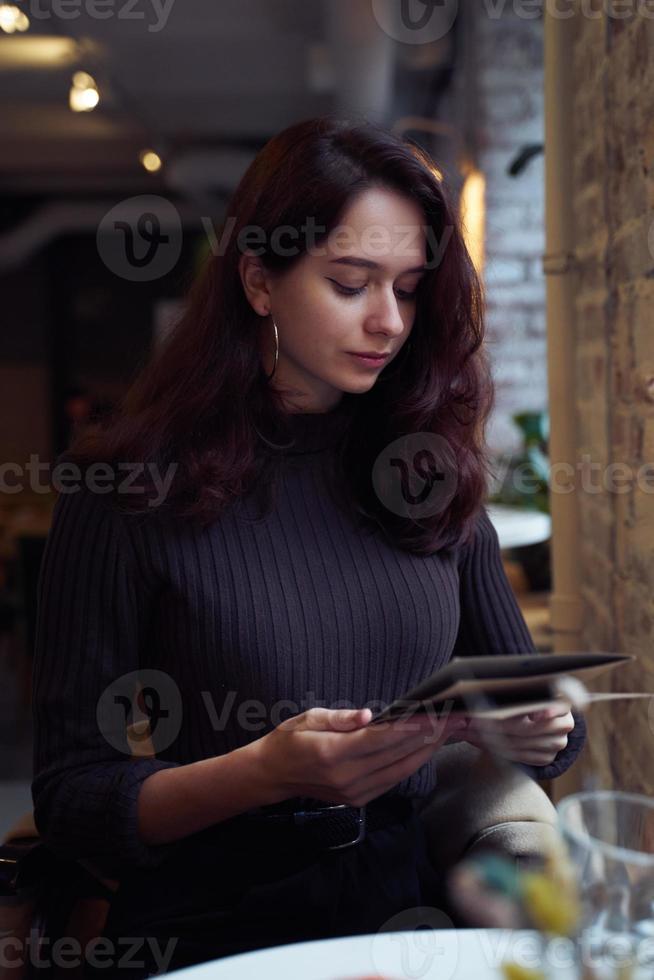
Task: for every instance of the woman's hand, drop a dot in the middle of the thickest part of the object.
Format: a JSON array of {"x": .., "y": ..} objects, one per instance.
[
  {"x": 336, "y": 756},
  {"x": 534, "y": 739}
]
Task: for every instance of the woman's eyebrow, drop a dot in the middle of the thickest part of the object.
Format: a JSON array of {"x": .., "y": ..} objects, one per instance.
[{"x": 369, "y": 264}]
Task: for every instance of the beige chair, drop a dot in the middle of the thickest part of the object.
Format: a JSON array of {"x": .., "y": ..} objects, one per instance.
[
  {"x": 479, "y": 803},
  {"x": 483, "y": 802}
]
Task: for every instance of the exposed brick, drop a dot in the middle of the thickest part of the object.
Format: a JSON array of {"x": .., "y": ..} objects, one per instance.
[
  {"x": 643, "y": 321},
  {"x": 591, "y": 318},
  {"x": 648, "y": 440},
  {"x": 631, "y": 254},
  {"x": 590, "y": 272}
]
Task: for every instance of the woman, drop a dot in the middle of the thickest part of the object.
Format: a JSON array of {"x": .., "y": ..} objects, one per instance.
[{"x": 262, "y": 583}]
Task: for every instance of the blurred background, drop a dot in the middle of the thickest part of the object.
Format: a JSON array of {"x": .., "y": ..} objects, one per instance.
[{"x": 124, "y": 127}]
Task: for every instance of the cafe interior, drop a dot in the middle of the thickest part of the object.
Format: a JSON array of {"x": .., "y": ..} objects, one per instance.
[{"x": 540, "y": 124}]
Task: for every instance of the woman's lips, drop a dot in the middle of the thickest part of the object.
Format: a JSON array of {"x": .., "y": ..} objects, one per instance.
[{"x": 373, "y": 362}]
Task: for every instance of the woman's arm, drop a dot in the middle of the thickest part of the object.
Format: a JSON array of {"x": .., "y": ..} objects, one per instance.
[
  {"x": 94, "y": 602},
  {"x": 93, "y": 605},
  {"x": 174, "y": 803},
  {"x": 492, "y": 623}
]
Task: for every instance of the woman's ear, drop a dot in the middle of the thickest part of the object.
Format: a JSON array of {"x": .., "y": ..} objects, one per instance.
[{"x": 255, "y": 283}]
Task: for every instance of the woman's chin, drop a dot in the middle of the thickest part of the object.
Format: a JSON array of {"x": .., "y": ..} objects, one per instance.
[{"x": 357, "y": 383}]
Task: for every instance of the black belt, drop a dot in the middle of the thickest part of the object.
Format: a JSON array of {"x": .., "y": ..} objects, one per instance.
[{"x": 323, "y": 826}]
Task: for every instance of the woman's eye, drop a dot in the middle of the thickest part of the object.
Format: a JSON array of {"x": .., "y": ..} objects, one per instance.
[
  {"x": 356, "y": 291},
  {"x": 347, "y": 290}
]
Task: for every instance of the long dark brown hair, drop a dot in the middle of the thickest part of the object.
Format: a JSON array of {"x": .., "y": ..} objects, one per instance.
[{"x": 202, "y": 401}]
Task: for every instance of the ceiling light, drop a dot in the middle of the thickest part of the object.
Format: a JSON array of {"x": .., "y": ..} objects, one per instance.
[
  {"x": 82, "y": 80},
  {"x": 151, "y": 161},
  {"x": 12, "y": 18},
  {"x": 83, "y": 99},
  {"x": 83, "y": 95},
  {"x": 37, "y": 51}
]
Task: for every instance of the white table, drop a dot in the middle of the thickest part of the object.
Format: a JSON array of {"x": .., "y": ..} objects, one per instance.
[
  {"x": 516, "y": 527},
  {"x": 417, "y": 954}
]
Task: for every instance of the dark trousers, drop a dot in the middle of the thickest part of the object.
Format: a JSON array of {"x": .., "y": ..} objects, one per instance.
[{"x": 219, "y": 898}]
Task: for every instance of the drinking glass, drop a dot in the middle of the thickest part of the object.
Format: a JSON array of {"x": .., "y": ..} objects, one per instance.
[{"x": 610, "y": 840}]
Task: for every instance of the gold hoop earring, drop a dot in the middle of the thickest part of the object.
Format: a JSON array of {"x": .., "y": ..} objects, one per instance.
[{"x": 269, "y": 376}]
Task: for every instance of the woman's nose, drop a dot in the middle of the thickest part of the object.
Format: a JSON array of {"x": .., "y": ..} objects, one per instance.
[{"x": 387, "y": 313}]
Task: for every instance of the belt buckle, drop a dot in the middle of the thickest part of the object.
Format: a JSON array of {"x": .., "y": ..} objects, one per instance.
[{"x": 301, "y": 817}]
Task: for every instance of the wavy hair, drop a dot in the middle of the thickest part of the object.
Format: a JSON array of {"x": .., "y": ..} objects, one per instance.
[{"x": 202, "y": 400}]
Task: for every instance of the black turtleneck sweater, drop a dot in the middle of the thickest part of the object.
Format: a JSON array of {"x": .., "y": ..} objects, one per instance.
[{"x": 250, "y": 620}]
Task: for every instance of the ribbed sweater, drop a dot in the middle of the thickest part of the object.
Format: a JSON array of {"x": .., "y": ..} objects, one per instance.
[{"x": 251, "y": 620}]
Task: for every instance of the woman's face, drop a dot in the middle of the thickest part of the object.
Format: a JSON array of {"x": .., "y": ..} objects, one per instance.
[{"x": 352, "y": 293}]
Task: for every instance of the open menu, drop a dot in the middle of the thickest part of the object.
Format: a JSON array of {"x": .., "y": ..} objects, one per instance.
[{"x": 500, "y": 687}]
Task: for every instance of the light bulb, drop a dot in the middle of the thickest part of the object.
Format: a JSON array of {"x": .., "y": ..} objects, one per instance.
[
  {"x": 12, "y": 18},
  {"x": 151, "y": 161},
  {"x": 82, "y": 79},
  {"x": 83, "y": 100},
  {"x": 83, "y": 95}
]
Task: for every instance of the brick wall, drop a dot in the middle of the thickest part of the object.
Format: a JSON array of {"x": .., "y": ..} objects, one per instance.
[
  {"x": 613, "y": 197},
  {"x": 508, "y": 113},
  {"x": 613, "y": 211}
]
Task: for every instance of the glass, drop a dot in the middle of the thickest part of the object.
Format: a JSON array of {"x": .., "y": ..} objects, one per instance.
[{"x": 610, "y": 840}]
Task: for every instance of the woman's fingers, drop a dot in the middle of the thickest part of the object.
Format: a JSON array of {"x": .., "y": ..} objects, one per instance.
[
  {"x": 534, "y": 739},
  {"x": 553, "y": 720},
  {"x": 370, "y": 776},
  {"x": 512, "y": 746},
  {"x": 552, "y": 744},
  {"x": 559, "y": 740},
  {"x": 424, "y": 728},
  {"x": 529, "y": 758},
  {"x": 392, "y": 772},
  {"x": 526, "y": 725},
  {"x": 385, "y": 761},
  {"x": 326, "y": 720},
  {"x": 381, "y": 756},
  {"x": 343, "y": 752},
  {"x": 522, "y": 736}
]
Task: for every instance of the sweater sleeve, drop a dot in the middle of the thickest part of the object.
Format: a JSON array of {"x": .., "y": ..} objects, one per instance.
[
  {"x": 93, "y": 606},
  {"x": 492, "y": 623}
]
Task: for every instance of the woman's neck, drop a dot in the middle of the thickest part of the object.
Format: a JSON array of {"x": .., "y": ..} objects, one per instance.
[{"x": 311, "y": 431}]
